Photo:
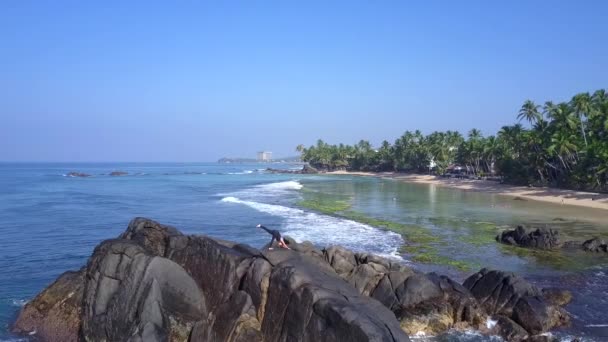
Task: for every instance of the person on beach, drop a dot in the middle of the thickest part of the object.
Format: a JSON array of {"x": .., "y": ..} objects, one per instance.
[{"x": 275, "y": 236}]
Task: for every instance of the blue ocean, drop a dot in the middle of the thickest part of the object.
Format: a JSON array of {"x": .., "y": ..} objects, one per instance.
[{"x": 51, "y": 219}]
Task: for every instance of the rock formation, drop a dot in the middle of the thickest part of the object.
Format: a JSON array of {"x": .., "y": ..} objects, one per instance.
[
  {"x": 153, "y": 283},
  {"x": 595, "y": 245},
  {"x": 516, "y": 303},
  {"x": 78, "y": 174},
  {"x": 306, "y": 169},
  {"x": 541, "y": 238}
]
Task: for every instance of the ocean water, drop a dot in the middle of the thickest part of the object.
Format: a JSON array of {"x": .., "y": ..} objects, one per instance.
[{"x": 50, "y": 222}]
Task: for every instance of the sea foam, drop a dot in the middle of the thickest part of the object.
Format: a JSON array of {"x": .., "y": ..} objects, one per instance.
[{"x": 323, "y": 230}]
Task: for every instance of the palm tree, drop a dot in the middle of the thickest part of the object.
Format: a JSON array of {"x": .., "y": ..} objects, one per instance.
[
  {"x": 529, "y": 111},
  {"x": 582, "y": 107}
]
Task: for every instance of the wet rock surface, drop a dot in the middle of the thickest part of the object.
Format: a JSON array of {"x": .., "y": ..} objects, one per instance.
[
  {"x": 548, "y": 239},
  {"x": 508, "y": 295},
  {"x": 596, "y": 245},
  {"x": 306, "y": 170},
  {"x": 541, "y": 238},
  {"x": 154, "y": 283},
  {"x": 78, "y": 174}
]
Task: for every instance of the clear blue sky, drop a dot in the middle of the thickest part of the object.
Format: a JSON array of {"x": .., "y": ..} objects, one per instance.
[{"x": 195, "y": 81}]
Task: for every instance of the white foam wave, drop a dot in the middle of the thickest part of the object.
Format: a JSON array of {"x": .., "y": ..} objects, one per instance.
[
  {"x": 490, "y": 323},
  {"x": 287, "y": 185},
  {"x": 266, "y": 192},
  {"x": 246, "y": 172},
  {"x": 596, "y": 325},
  {"x": 19, "y": 302},
  {"x": 323, "y": 230}
]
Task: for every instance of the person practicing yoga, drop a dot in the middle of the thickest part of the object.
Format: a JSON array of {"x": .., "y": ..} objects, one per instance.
[{"x": 275, "y": 236}]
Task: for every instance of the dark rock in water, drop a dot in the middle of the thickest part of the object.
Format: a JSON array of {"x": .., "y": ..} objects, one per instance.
[
  {"x": 504, "y": 293},
  {"x": 440, "y": 304},
  {"x": 118, "y": 173},
  {"x": 595, "y": 245},
  {"x": 55, "y": 313},
  {"x": 507, "y": 329},
  {"x": 422, "y": 303},
  {"x": 155, "y": 284},
  {"x": 537, "y": 316},
  {"x": 498, "y": 291},
  {"x": 541, "y": 238},
  {"x": 306, "y": 170},
  {"x": 78, "y": 174}
]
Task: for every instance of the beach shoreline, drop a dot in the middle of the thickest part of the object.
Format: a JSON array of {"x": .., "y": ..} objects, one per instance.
[{"x": 549, "y": 195}]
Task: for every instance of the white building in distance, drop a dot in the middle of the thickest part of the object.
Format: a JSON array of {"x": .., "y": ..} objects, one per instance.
[{"x": 264, "y": 156}]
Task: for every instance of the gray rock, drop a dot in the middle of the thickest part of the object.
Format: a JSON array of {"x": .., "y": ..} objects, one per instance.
[
  {"x": 498, "y": 291},
  {"x": 536, "y": 316},
  {"x": 341, "y": 259},
  {"x": 54, "y": 315},
  {"x": 595, "y": 245},
  {"x": 131, "y": 294},
  {"x": 509, "y": 330},
  {"x": 541, "y": 238}
]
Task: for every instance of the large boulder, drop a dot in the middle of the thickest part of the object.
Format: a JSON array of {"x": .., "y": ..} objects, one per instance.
[
  {"x": 504, "y": 293},
  {"x": 541, "y": 238},
  {"x": 433, "y": 304},
  {"x": 595, "y": 245},
  {"x": 308, "y": 303},
  {"x": 155, "y": 284},
  {"x": 133, "y": 295},
  {"x": 536, "y": 316},
  {"x": 426, "y": 303},
  {"x": 498, "y": 291},
  {"x": 341, "y": 259},
  {"x": 54, "y": 315},
  {"x": 508, "y": 329}
]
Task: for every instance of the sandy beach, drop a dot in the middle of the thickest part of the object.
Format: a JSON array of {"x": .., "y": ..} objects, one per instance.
[{"x": 557, "y": 196}]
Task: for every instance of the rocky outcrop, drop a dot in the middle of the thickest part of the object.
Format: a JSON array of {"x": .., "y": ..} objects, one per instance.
[
  {"x": 132, "y": 294},
  {"x": 306, "y": 170},
  {"x": 595, "y": 245},
  {"x": 155, "y": 284},
  {"x": 541, "y": 238},
  {"x": 55, "y": 313},
  {"x": 427, "y": 303},
  {"x": 118, "y": 173},
  {"x": 77, "y": 174},
  {"x": 505, "y": 294}
]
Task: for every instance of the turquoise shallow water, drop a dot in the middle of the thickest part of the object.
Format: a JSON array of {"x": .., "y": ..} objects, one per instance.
[{"x": 50, "y": 222}]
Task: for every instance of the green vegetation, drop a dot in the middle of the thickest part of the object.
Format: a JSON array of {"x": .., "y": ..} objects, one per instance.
[
  {"x": 434, "y": 258},
  {"x": 556, "y": 259},
  {"x": 565, "y": 145},
  {"x": 421, "y": 243},
  {"x": 329, "y": 207}
]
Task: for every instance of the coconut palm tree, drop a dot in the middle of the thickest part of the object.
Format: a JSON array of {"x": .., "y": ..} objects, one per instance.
[
  {"x": 582, "y": 107},
  {"x": 529, "y": 111}
]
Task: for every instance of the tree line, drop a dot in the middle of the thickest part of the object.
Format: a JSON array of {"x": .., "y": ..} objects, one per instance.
[{"x": 563, "y": 144}]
